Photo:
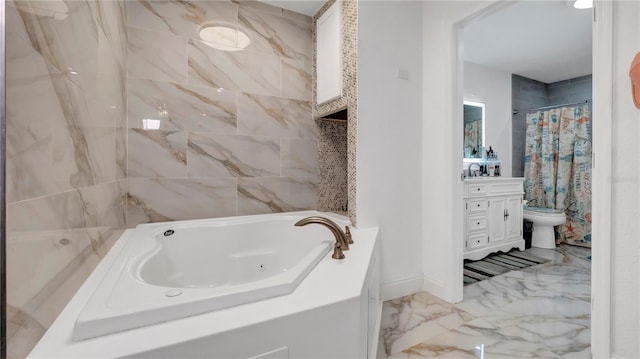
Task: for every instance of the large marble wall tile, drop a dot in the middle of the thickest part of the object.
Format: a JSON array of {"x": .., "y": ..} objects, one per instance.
[
  {"x": 283, "y": 194},
  {"x": 156, "y": 56},
  {"x": 297, "y": 16},
  {"x": 154, "y": 153},
  {"x": 244, "y": 71},
  {"x": 181, "y": 107},
  {"x": 112, "y": 204},
  {"x": 73, "y": 209},
  {"x": 157, "y": 200},
  {"x": 57, "y": 136},
  {"x": 296, "y": 79},
  {"x": 37, "y": 294},
  {"x": 212, "y": 155},
  {"x": 111, "y": 17},
  {"x": 65, "y": 101},
  {"x": 182, "y": 18},
  {"x": 26, "y": 173},
  {"x": 261, "y": 6},
  {"x": 22, "y": 337},
  {"x": 299, "y": 157},
  {"x": 78, "y": 63},
  {"x": 53, "y": 250},
  {"x": 29, "y": 92},
  {"x": 276, "y": 117},
  {"x": 33, "y": 110},
  {"x": 276, "y": 34},
  {"x": 83, "y": 156},
  {"x": 112, "y": 73}
]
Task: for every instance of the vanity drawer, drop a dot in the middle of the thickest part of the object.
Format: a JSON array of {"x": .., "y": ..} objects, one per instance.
[
  {"x": 477, "y": 223},
  {"x": 504, "y": 188},
  {"x": 477, "y": 189},
  {"x": 477, "y": 205},
  {"x": 477, "y": 240}
]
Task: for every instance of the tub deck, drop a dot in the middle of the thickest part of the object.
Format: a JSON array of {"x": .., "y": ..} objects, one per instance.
[{"x": 331, "y": 295}]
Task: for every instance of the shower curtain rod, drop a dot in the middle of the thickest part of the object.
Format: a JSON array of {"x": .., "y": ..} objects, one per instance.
[{"x": 515, "y": 112}]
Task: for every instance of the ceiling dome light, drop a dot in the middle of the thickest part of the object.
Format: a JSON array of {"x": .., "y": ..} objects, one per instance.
[
  {"x": 224, "y": 37},
  {"x": 583, "y": 4}
]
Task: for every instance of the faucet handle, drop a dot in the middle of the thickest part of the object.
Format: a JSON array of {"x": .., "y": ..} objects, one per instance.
[
  {"x": 347, "y": 232},
  {"x": 337, "y": 251}
]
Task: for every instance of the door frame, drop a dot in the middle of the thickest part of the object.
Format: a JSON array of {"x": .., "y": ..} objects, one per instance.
[{"x": 602, "y": 84}]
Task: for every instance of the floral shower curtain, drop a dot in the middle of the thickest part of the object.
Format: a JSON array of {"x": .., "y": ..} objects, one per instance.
[{"x": 557, "y": 167}]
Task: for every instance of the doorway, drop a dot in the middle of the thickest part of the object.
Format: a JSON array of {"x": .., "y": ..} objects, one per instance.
[{"x": 601, "y": 58}]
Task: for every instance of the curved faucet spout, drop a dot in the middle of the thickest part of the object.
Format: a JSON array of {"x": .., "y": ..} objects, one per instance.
[{"x": 342, "y": 242}]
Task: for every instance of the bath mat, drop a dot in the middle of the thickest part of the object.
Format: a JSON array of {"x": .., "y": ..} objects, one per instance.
[{"x": 498, "y": 263}]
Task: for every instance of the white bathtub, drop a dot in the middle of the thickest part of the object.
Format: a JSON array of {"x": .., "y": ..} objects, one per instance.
[
  {"x": 174, "y": 270},
  {"x": 334, "y": 312}
]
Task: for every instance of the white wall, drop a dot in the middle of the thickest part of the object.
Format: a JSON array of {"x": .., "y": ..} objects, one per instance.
[
  {"x": 442, "y": 212},
  {"x": 625, "y": 294},
  {"x": 493, "y": 88},
  {"x": 389, "y": 134}
]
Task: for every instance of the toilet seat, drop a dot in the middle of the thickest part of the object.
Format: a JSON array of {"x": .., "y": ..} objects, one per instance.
[
  {"x": 542, "y": 210},
  {"x": 533, "y": 213}
]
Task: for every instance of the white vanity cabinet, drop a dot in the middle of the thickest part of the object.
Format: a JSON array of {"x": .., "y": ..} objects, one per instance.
[{"x": 493, "y": 216}]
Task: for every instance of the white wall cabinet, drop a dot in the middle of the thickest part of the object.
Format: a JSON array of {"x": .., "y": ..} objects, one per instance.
[
  {"x": 493, "y": 209},
  {"x": 329, "y": 55}
]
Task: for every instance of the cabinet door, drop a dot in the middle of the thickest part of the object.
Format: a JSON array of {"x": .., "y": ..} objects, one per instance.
[
  {"x": 497, "y": 210},
  {"x": 329, "y": 55},
  {"x": 514, "y": 220}
]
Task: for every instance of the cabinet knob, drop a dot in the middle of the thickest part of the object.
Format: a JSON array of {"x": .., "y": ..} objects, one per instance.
[
  {"x": 478, "y": 205},
  {"x": 478, "y": 223}
]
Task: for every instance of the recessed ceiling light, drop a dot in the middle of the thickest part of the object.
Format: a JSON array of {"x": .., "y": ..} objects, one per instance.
[
  {"x": 224, "y": 37},
  {"x": 583, "y": 4}
]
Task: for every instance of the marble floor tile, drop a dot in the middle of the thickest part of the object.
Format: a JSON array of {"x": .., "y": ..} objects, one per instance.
[{"x": 539, "y": 312}]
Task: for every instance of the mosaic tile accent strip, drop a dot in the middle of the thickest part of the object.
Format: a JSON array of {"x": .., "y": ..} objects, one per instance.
[
  {"x": 332, "y": 173},
  {"x": 333, "y": 189}
]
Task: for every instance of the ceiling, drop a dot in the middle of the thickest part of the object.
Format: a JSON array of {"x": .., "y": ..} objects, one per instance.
[
  {"x": 547, "y": 41},
  {"x": 307, "y": 7}
]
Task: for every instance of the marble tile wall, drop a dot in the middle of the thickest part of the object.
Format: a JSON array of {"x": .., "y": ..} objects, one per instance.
[
  {"x": 213, "y": 133},
  {"x": 66, "y": 155},
  {"x": 337, "y": 167}
]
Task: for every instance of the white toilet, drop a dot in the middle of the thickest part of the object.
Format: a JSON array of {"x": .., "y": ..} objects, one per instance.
[{"x": 544, "y": 219}]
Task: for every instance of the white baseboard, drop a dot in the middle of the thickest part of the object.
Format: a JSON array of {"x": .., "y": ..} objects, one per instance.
[
  {"x": 436, "y": 288},
  {"x": 401, "y": 288},
  {"x": 414, "y": 285}
]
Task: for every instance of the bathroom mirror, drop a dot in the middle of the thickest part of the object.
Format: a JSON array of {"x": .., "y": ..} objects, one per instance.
[{"x": 473, "y": 129}]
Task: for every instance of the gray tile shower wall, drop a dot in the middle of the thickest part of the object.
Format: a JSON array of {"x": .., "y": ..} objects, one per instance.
[
  {"x": 525, "y": 94},
  {"x": 530, "y": 94},
  {"x": 569, "y": 91},
  {"x": 215, "y": 133},
  {"x": 66, "y": 155}
]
